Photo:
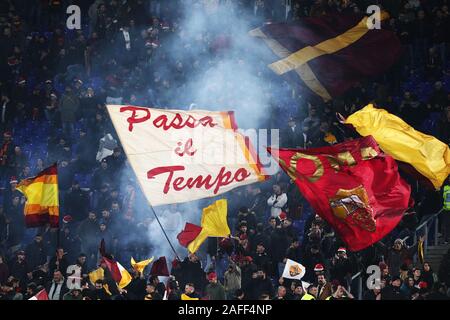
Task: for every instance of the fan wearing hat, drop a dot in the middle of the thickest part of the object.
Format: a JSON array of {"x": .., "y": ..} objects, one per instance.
[
  {"x": 341, "y": 268},
  {"x": 214, "y": 290},
  {"x": 312, "y": 259}
]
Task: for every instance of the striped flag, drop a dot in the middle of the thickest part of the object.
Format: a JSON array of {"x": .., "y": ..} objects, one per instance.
[
  {"x": 42, "y": 204},
  {"x": 328, "y": 55}
]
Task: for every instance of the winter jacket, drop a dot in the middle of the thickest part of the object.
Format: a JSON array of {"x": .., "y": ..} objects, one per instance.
[{"x": 215, "y": 291}]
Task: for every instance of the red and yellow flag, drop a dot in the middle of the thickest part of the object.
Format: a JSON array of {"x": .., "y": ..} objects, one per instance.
[
  {"x": 353, "y": 185},
  {"x": 328, "y": 55},
  {"x": 42, "y": 204}
]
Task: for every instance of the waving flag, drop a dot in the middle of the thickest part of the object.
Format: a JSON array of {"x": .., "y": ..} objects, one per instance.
[
  {"x": 159, "y": 268},
  {"x": 120, "y": 275},
  {"x": 181, "y": 156},
  {"x": 429, "y": 156},
  {"x": 327, "y": 55},
  {"x": 352, "y": 185},
  {"x": 42, "y": 204},
  {"x": 293, "y": 270},
  {"x": 140, "y": 266},
  {"x": 188, "y": 234},
  {"x": 214, "y": 224}
]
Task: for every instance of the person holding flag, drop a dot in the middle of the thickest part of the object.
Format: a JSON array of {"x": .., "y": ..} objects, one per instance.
[{"x": 42, "y": 204}]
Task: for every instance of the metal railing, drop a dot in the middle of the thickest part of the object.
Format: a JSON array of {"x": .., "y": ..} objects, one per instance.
[{"x": 431, "y": 223}]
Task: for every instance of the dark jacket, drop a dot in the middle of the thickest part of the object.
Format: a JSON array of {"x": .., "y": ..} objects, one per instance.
[
  {"x": 63, "y": 290},
  {"x": 192, "y": 272},
  {"x": 36, "y": 254},
  {"x": 87, "y": 230},
  {"x": 258, "y": 287},
  {"x": 215, "y": 291},
  {"x": 392, "y": 293},
  {"x": 77, "y": 204}
]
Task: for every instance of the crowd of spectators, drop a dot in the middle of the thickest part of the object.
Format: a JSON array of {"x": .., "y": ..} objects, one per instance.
[{"x": 54, "y": 85}]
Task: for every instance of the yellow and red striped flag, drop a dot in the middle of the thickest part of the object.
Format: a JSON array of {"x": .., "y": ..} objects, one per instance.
[{"x": 42, "y": 204}]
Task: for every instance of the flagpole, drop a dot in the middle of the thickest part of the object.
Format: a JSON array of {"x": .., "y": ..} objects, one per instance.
[{"x": 165, "y": 234}]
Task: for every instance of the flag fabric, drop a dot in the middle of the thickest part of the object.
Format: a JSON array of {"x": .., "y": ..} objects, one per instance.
[
  {"x": 125, "y": 276},
  {"x": 328, "y": 55},
  {"x": 214, "y": 224},
  {"x": 192, "y": 155},
  {"x": 42, "y": 204},
  {"x": 97, "y": 274},
  {"x": 186, "y": 297},
  {"x": 113, "y": 267},
  {"x": 41, "y": 295},
  {"x": 420, "y": 252},
  {"x": 353, "y": 185},
  {"x": 188, "y": 234},
  {"x": 120, "y": 275},
  {"x": 293, "y": 270},
  {"x": 159, "y": 268},
  {"x": 140, "y": 266},
  {"x": 429, "y": 156}
]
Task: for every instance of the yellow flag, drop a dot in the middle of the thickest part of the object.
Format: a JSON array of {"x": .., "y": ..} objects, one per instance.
[
  {"x": 96, "y": 274},
  {"x": 186, "y": 297},
  {"x": 214, "y": 224},
  {"x": 140, "y": 266},
  {"x": 429, "y": 156}
]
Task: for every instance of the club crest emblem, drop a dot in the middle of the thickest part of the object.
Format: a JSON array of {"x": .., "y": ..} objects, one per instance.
[
  {"x": 352, "y": 206},
  {"x": 295, "y": 270}
]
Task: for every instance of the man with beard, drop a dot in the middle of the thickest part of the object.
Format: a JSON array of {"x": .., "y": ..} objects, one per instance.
[
  {"x": 324, "y": 289},
  {"x": 57, "y": 288}
]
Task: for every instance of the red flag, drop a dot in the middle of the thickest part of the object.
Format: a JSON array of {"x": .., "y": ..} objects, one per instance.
[
  {"x": 353, "y": 185},
  {"x": 41, "y": 295},
  {"x": 328, "y": 55},
  {"x": 189, "y": 233},
  {"x": 111, "y": 264},
  {"x": 113, "y": 268},
  {"x": 159, "y": 268}
]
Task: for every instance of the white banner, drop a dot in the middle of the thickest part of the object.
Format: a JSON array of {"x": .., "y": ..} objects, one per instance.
[
  {"x": 181, "y": 156},
  {"x": 293, "y": 270}
]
